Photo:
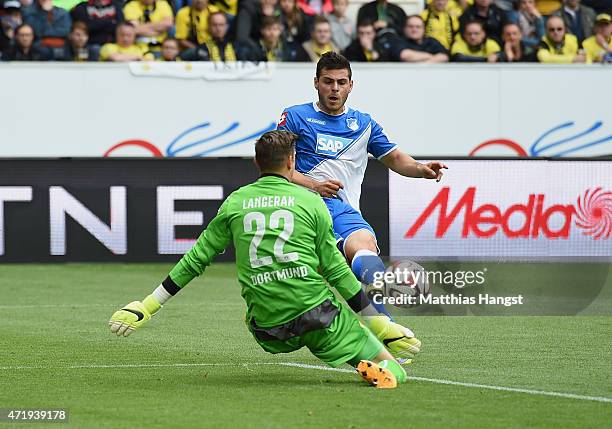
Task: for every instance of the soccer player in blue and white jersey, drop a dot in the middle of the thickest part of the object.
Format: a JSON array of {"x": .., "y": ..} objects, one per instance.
[{"x": 332, "y": 155}]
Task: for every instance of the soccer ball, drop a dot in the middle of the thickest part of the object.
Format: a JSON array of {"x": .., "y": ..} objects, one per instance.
[{"x": 410, "y": 280}]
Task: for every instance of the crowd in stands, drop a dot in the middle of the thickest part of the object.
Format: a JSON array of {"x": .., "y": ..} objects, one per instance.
[{"x": 546, "y": 31}]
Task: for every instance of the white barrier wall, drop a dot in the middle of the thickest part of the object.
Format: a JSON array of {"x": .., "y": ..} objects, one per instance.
[
  {"x": 504, "y": 210},
  {"x": 94, "y": 109}
]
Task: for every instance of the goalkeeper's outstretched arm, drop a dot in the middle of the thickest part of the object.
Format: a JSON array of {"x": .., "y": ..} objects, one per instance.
[{"x": 213, "y": 240}]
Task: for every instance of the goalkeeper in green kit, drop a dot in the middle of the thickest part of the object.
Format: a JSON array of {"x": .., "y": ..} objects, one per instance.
[{"x": 285, "y": 253}]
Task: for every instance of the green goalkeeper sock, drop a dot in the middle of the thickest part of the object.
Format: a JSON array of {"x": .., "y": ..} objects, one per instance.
[{"x": 396, "y": 369}]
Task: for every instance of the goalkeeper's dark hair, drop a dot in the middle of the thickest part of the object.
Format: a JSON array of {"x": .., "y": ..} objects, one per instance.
[
  {"x": 273, "y": 148},
  {"x": 333, "y": 61}
]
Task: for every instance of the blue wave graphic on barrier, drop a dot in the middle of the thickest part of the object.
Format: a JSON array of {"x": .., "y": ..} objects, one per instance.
[
  {"x": 175, "y": 147},
  {"x": 567, "y": 145}
]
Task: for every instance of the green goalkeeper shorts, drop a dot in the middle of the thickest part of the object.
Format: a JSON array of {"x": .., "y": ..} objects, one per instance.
[{"x": 345, "y": 340}]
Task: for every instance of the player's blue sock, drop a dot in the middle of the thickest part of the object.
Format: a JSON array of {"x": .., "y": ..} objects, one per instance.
[{"x": 365, "y": 265}]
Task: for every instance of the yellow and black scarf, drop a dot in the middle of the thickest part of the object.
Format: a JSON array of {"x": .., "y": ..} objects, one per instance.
[{"x": 223, "y": 51}]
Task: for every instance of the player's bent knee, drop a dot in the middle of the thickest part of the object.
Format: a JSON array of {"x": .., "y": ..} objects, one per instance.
[{"x": 359, "y": 240}]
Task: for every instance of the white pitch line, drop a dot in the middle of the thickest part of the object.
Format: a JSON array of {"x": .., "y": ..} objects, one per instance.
[
  {"x": 516, "y": 389},
  {"x": 320, "y": 367},
  {"x": 326, "y": 368},
  {"x": 473, "y": 385},
  {"x": 18, "y": 306},
  {"x": 135, "y": 365}
]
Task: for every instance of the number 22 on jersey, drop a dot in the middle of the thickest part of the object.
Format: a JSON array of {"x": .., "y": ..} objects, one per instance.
[{"x": 258, "y": 219}]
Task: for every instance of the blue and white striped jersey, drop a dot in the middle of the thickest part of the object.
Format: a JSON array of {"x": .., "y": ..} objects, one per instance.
[{"x": 335, "y": 146}]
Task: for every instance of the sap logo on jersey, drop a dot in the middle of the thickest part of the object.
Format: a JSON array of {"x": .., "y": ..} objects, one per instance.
[{"x": 331, "y": 145}]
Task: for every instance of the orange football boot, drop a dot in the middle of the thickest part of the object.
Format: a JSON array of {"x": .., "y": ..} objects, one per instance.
[{"x": 375, "y": 375}]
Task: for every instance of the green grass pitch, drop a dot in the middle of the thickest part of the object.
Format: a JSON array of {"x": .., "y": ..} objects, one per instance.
[{"x": 195, "y": 364}]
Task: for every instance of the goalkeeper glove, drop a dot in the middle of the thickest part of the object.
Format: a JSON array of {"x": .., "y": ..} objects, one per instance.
[
  {"x": 131, "y": 317},
  {"x": 399, "y": 340}
]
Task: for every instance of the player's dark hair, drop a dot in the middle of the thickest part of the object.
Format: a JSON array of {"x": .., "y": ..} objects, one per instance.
[
  {"x": 333, "y": 61},
  {"x": 273, "y": 148}
]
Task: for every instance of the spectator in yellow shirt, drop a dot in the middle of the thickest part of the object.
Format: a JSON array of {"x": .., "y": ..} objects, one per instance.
[
  {"x": 321, "y": 39},
  {"x": 455, "y": 7},
  {"x": 559, "y": 47},
  {"x": 474, "y": 46},
  {"x": 598, "y": 47},
  {"x": 192, "y": 23},
  {"x": 547, "y": 7},
  {"x": 152, "y": 19},
  {"x": 218, "y": 47},
  {"x": 126, "y": 48},
  {"x": 228, "y": 7},
  {"x": 439, "y": 23}
]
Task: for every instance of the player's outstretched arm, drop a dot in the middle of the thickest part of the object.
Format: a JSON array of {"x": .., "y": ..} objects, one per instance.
[
  {"x": 406, "y": 165},
  {"x": 213, "y": 240}
]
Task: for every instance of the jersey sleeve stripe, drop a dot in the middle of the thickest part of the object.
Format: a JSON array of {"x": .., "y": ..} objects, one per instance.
[{"x": 387, "y": 152}]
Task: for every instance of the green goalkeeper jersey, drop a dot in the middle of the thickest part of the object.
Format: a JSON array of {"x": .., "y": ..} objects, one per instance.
[{"x": 285, "y": 250}]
